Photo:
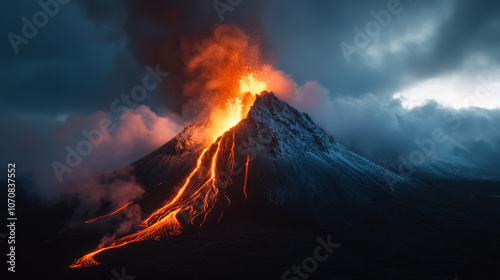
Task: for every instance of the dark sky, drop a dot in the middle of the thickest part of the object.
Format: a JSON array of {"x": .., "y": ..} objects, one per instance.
[{"x": 376, "y": 100}]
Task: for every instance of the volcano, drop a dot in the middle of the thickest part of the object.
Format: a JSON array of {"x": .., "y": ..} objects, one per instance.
[
  {"x": 274, "y": 161},
  {"x": 275, "y": 164}
]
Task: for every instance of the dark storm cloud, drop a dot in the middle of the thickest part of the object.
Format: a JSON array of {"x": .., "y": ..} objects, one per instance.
[
  {"x": 71, "y": 66},
  {"x": 322, "y": 26},
  {"x": 78, "y": 56},
  {"x": 65, "y": 68},
  {"x": 306, "y": 37},
  {"x": 473, "y": 28}
]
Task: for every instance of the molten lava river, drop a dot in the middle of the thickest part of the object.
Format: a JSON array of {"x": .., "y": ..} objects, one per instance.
[{"x": 199, "y": 203}]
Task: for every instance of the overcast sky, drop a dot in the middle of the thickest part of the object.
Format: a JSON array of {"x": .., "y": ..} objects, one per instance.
[{"x": 382, "y": 73}]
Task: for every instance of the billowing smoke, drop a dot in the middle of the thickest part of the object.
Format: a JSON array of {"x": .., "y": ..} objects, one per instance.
[
  {"x": 131, "y": 220},
  {"x": 82, "y": 147},
  {"x": 171, "y": 33},
  {"x": 78, "y": 162},
  {"x": 91, "y": 154},
  {"x": 215, "y": 67},
  {"x": 106, "y": 192}
]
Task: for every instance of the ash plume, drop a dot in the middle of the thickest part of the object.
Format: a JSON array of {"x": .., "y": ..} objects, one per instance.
[{"x": 170, "y": 33}]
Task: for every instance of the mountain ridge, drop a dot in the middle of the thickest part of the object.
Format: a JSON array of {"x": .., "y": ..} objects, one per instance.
[{"x": 290, "y": 163}]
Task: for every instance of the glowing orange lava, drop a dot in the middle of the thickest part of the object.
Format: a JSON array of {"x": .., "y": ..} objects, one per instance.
[
  {"x": 112, "y": 213},
  {"x": 236, "y": 108},
  {"x": 250, "y": 84},
  {"x": 246, "y": 177},
  {"x": 167, "y": 226},
  {"x": 196, "y": 198}
]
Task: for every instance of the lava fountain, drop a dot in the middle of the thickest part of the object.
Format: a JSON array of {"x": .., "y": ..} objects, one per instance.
[{"x": 237, "y": 84}]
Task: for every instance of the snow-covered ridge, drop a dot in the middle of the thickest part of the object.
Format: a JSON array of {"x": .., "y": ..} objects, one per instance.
[{"x": 292, "y": 163}]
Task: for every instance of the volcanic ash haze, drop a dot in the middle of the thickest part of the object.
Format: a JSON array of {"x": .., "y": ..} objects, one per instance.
[{"x": 275, "y": 163}]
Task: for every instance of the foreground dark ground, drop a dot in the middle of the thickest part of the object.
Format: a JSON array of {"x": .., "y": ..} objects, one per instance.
[{"x": 435, "y": 235}]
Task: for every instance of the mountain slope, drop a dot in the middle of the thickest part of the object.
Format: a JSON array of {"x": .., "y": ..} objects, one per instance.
[
  {"x": 298, "y": 165},
  {"x": 274, "y": 161}
]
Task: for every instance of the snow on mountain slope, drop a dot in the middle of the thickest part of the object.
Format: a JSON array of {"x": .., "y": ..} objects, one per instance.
[
  {"x": 279, "y": 160},
  {"x": 298, "y": 165},
  {"x": 436, "y": 169}
]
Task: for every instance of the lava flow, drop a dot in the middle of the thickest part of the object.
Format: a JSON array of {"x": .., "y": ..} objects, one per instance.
[
  {"x": 196, "y": 198},
  {"x": 110, "y": 214}
]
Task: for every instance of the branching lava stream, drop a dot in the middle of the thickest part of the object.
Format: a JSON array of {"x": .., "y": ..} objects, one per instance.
[{"x": 198, "y": 204}]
